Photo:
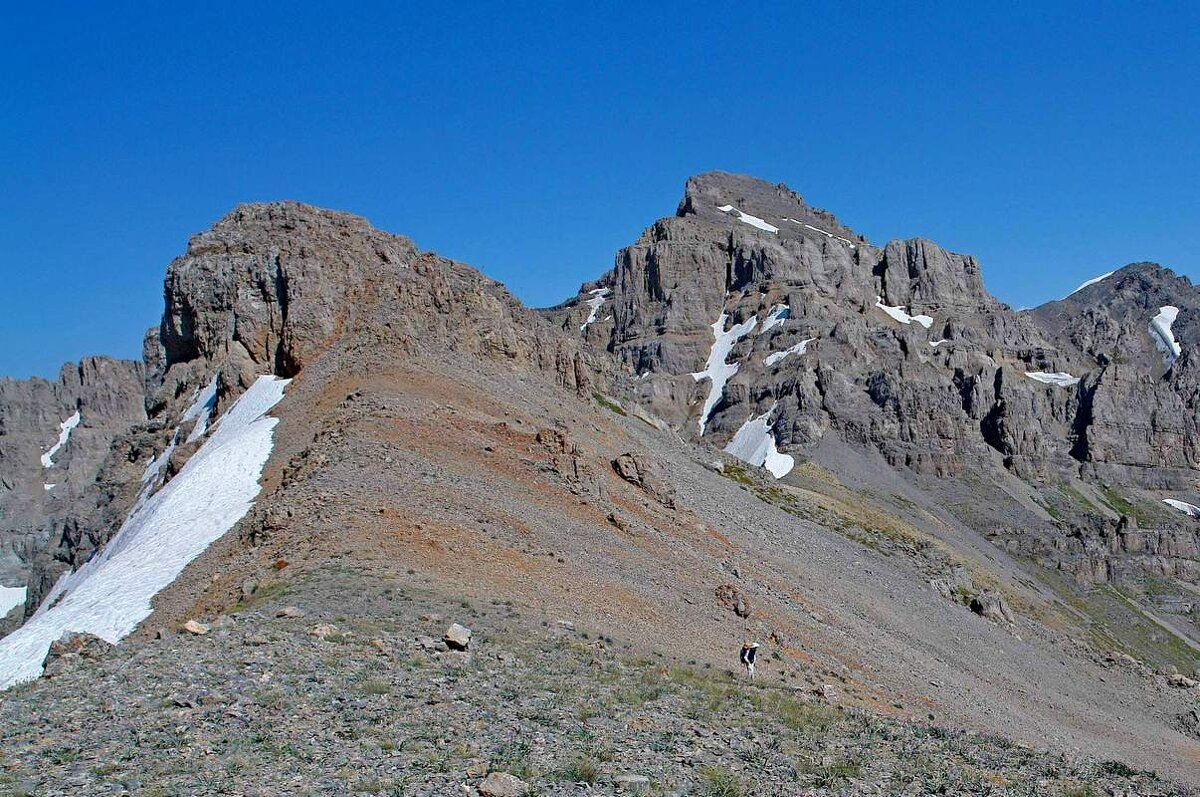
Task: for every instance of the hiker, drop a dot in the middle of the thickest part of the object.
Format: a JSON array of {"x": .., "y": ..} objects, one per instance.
[{"x": 748, "y": 654}]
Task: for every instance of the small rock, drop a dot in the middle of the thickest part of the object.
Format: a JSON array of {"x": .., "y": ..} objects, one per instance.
[
  {"x": 427, "y": 643},
  {"x": 458, "y": 637},
  {"x": 195, "y": 627},
  {"x": 477, "y": 770},
  {"x": 1180, "y": 681},
  {"x": 632, "y": 784},
  {"x": 502, "y": 784},
  {"x": 323, "y": 631},
  {"x": 829, "y": 693},
  {"x": 249, "y": 587},
  {"x": 292, "y": 612}
]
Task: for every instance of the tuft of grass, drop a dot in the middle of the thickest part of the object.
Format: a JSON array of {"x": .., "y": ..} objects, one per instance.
[
  {"x": 720, "y": 782},
  {"x": 376, "y": 686},
  {"x": 582, "y": 770}
]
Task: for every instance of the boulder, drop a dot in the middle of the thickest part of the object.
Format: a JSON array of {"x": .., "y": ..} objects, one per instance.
[
  {"x": 502, "y": 784},
  {"x": 457, "y": 637},
  {"x": 290, "y": 612},
  {"x": 641, "y": 472},
  {"x": 72, "y": 647},
  {"x": 195, "y": 628},
  {"x": 992, "y": 606}
]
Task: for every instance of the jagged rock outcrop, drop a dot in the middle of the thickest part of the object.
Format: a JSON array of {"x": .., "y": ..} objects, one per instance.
[
  {"x": 54, "y": 438},
  {"x": 899, "y": 347}
]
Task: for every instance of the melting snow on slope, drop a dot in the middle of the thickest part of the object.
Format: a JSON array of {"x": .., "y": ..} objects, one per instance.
[
  {"x": 48, "y": 487},
  {"x": 753, "y": 221},
  {"x": 936, "y": 343},
  {"x": 754, "y": 444},
  {"x": 111, "y": 593},
  {"x": 716, "y": 369},
  {"x": 1092, "y": 281},
  {"x": 901, "y": 316},
  {"x": 1059, "y": 378},
  {"x": 598, "y": 297},
  {"x": 201, "y": 410},
  {"x": 11, "y": 598},
  {"x": 799, "y": 348},
  {"x": 776, "y": 318},
  {"x": 64, "y": 434},
  {"x": 1164, "y": 338},
  {"x": 1183, "y": 506},
  {"x": 826, "y": 233}
]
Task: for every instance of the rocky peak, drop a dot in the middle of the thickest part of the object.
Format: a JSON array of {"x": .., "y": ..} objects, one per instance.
[{"x": 267, "y": 287}]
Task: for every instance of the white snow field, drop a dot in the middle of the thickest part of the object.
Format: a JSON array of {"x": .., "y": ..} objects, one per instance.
[
  {"x": 1183, "y": 506},
  {"x": 1164, "y": 338},
  {"x": 202, "y": 408},
  {"x": 1092, "y": 281},
  {"x": 111, "y": 593},
  {"x": 64, "y": 434},
  {"x": 901, "y": 316},
  {"x": 754, "y": 444},
  {"x": 753, "y": 221},
  {"x": 716, "y": 369},
  {"x": 1060, "y": 378},
  {"x": 598, "y": 297},
  {"x": 776, "y": 317},
  {"x": 799, "y": 348},
  {"x": 11, "y": 598},
  {"x": 935, "y": 343}
]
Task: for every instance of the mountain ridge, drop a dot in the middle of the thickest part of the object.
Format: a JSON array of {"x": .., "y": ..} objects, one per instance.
[{"x": 938, "y": 499}]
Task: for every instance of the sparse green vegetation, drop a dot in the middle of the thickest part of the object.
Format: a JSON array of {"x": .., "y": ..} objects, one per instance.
[
  {"x": 608, "y": 404},
  {"x": 582, "y": 770},
  {"x": 720, "y": 782}
]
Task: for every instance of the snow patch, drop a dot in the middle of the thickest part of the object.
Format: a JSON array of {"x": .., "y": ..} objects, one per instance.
[
  {"x": 111, "y": 593},
  {"x": 753, "y": 221},
  {"x": 598, "y": 297},
  {"x": 826, "y": 233},
  {"x": 799, "y": 348},
  {"x": 11, "y": 598},
  {"x": 1183, "y": 506},
  {"x": 1092, "y": 281},
  {"x": 776, "y": 318},
  {"x": 936, "y": 343},
  {"x": 754, "y": 444},
  {"x": 716, "y": 369},
  {"x": 201, "y": 409},
  {"x": 1164, "y": 338},
  {"x": 48, "y": 487},
  {"x": 901, "y": 316},
  {"x": 1060, "y": 378},
  {"x": 64, "y": 434}
]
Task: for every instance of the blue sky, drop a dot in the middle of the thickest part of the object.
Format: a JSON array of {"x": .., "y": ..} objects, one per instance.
[{"x": 1053, "y": 141}]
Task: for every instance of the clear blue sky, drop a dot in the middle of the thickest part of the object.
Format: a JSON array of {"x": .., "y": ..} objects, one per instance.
[{"x": 1053, "y": 141}]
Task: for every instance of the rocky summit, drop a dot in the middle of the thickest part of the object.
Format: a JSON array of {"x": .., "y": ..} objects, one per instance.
[{"x": 362, "y": 523}]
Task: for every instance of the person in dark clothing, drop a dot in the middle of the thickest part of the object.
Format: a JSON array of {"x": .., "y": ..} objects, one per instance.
[{"x": 747, "y": 656}]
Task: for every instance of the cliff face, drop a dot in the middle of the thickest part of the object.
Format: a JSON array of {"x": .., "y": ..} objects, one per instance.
[
  {"x": 54, "y": 438},
  {"x": 814, "y": 332}
]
